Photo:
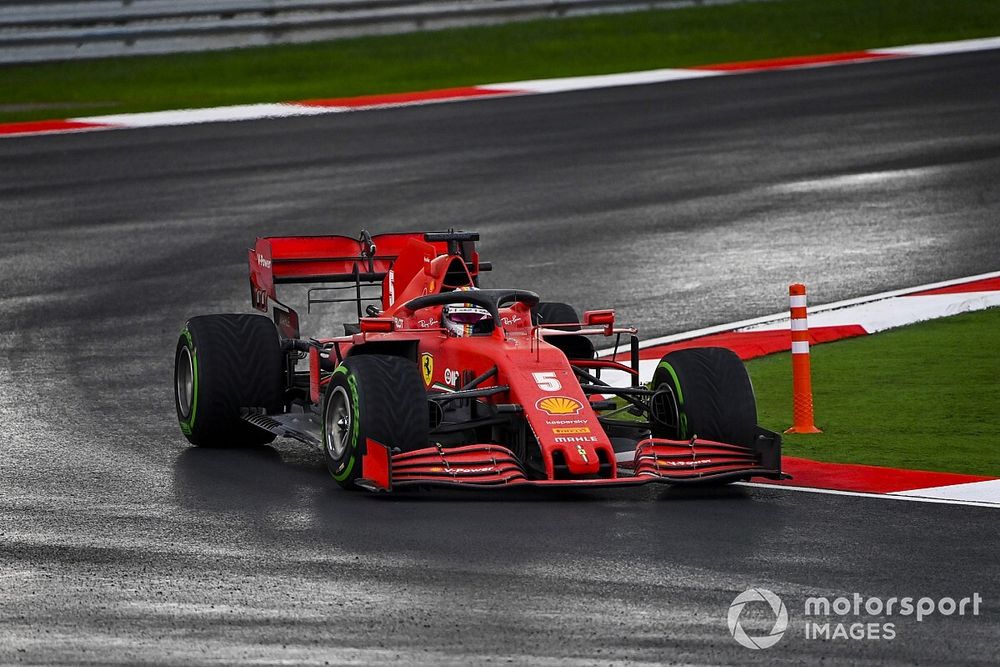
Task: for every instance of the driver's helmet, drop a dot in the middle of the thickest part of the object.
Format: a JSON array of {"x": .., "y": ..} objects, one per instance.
[{"x": 464, "y": 319}]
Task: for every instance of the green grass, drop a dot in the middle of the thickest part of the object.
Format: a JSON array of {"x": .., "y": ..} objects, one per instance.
[
  {"x": 538, "y": 49},
  {"x": 923, "y": 397}
]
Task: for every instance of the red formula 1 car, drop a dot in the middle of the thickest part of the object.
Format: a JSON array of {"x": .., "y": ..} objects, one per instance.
[{"x": 440, "y": 382}]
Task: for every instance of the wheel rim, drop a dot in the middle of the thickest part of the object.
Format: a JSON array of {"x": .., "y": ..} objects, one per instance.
[
  {"x": 671, "y": 409},
  {"x": 184, "y": 379},
  {"x": 337, "y": 423}
]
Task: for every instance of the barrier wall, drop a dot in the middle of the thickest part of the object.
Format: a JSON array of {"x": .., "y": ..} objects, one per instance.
[{"x": 42, "y": 30}]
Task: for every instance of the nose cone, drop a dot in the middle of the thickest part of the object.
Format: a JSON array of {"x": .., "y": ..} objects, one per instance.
[
  {"x": 581, "y": 455},
  {"x": 572, "y": 441}
]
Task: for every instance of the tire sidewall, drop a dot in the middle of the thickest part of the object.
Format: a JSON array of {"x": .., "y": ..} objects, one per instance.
[
  {"x": 346, "y": 468},
  {"x": 666, "y": 376},
  {"x": 186, "y": 341}
]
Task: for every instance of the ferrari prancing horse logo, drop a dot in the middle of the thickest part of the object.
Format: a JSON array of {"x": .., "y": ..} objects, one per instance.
[{"x": 427, "y": 367}]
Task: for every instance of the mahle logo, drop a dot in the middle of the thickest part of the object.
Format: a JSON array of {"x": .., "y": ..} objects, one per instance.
[{"x": 780, "y": 618}]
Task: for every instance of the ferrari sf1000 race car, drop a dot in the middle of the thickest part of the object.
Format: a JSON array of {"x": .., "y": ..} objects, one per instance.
[{"x": 441, "y": 382}]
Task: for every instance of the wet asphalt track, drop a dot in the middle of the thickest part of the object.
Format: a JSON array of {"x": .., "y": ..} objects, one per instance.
[{"x": 685, "y": 204}]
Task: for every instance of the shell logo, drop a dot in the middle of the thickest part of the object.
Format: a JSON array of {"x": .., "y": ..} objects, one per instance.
[{"x": 559, "y": 405}]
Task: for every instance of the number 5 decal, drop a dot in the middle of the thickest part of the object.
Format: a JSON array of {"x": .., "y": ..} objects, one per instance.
[{"x": 547, "y": 381}]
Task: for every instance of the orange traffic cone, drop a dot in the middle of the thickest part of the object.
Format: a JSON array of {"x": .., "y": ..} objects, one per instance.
[{"x": 801, "y": 373}]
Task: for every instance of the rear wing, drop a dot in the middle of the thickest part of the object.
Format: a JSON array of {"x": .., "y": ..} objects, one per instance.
[{"x": 367, "y": 261}]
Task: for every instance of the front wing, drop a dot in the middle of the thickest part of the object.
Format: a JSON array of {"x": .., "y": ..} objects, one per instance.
[{"x": 494, "y": 466}]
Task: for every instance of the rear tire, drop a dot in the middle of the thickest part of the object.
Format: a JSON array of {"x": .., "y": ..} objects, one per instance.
[
  {"x": 553, "y": 312},
  {"x": 715, "y": 399},
  {"x": 224, "y": 363},
  {"x": 372, "y": 396}
]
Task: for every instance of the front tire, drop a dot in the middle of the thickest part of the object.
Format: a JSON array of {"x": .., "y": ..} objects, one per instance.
[
  {"x": 224, "y": 363},
  {"x": 714, "y": 397},
  {"x": 372, "y": 396}
]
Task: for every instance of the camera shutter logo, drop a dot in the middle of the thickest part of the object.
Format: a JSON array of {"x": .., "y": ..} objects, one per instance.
[{"x": 780, "y": 621}]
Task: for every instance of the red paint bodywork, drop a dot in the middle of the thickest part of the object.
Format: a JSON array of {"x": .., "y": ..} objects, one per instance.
[{"x": 539, "y": 376}]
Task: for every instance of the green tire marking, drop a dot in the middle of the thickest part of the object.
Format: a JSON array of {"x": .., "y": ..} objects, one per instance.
[
  {"x": 681, "y": 417},
  {"x": 187, "y": 425},
  {"x": 352, "y": 384},
  {"x": 677, "y": 383},
  {"x": 343, "y": 474}
]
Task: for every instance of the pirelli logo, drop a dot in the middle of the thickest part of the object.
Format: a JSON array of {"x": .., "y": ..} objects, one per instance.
[{"x": 575, "y": 430}]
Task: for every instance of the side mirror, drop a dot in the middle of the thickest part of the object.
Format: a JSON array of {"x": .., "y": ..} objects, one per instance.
[{"x": 600, "y": 318}]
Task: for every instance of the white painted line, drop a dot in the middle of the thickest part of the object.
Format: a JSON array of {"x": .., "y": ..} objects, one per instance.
[
  {"x": 538, "y": 86},
  {"x": 699, "y": 333},
  {"x": 942, "y": 48},
  {"x": 980, "y": 492},
  {"x": 758, "y": 323},
  {"x": 601, "y": 81},
  {"x": 901, "y": 292},
  {"x": 895, "y": 311},
  {"x": 876, "y": 496},
  {"x": 209, "y": 115}
]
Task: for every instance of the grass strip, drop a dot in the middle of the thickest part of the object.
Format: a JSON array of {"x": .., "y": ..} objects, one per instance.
[
  {"x": 467, "y": 56},
  {"x": 924, "y": 397}
]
